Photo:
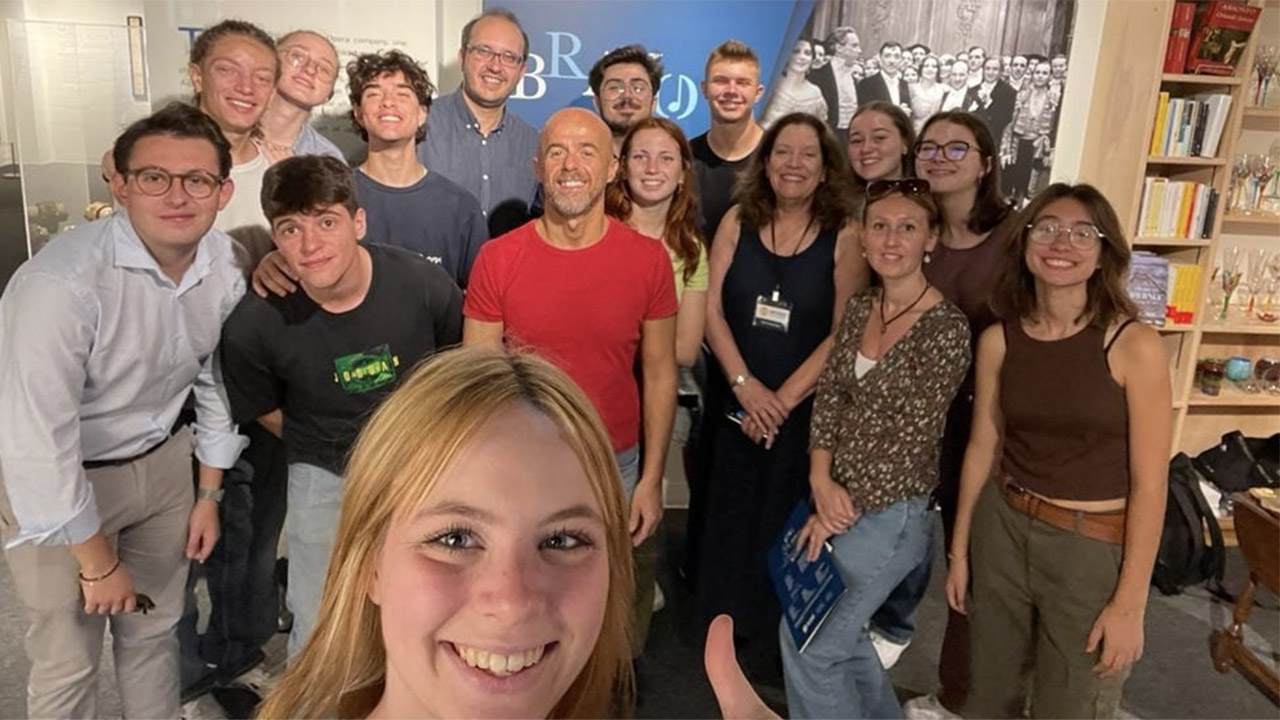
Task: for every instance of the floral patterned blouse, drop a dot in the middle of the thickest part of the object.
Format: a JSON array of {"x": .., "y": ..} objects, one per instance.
[{"x": 883, "y": 430}]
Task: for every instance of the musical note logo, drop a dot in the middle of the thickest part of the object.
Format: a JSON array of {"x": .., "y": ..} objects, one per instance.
[{"x": 685, "y": 101}]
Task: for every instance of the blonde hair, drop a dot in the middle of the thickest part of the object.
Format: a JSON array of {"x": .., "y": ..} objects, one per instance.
[
  {"x": 734, "y": 50},
  {"x": 397, "y": 460}
]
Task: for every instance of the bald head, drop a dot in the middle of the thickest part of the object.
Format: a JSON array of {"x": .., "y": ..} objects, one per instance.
[{"x": 575, "y": 162}]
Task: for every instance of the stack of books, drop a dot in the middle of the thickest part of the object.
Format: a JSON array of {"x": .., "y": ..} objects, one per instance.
[
  {"x": 1189, "y": 127},
  {"x": 1164, "y": 292},
  {"x": 1176, "y": 209}
]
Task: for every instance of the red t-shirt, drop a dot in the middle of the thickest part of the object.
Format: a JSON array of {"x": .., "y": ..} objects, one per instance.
[{"x": 580, "y": 309}]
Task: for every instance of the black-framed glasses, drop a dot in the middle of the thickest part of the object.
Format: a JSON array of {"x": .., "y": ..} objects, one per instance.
[
  {"x": 877, "y": 189},
  {"x": 505, "y": 57},
  {"x": 955, "y": 151},
  {"x": 616, "y": 88},
  {"x": 157, "y": 181},
  {"x": 296, "y": 57},
  {"x": 1083, "y": 236}
]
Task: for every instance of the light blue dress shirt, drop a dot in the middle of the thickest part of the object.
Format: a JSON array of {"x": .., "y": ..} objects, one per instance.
[
  {"x": 98, "y": 351},
  {"x": 311, "y": 142}
]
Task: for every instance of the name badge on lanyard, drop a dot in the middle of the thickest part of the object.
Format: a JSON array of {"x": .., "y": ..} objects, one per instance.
[{"x": 772, "y": 312}]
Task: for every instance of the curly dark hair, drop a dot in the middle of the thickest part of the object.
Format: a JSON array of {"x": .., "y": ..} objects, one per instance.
[
  {"x": 1014, "y": 295},
  {"x": 681, "y": 231},
  {"x": 367, "y": 68},
  {"x": 625, "y": 54},
  {"x": 832, "y": 200},
  {"x": 210, "y": 36}
]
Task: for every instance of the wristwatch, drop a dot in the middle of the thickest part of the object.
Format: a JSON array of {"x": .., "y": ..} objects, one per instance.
[
  {"x": 740, "y": 380},
  {"x": 209, "y": 494}
]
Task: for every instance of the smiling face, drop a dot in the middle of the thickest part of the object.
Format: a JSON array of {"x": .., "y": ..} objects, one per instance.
[
  {"x": 911, "y": 75},
  {"x": 1041, "y": 75},
  {"x": 1017, "y": 67},
  {"x": 959, "y": 75},
  {"x": 794, "y": 166},
  {"x": 174, "y": 220},
  {"x": 626, "y": 96},
  {"x": 488, "y": 82},
  {"x": 801, "y": 58},
  {"x": 732, "y": 89},
  {"x": 1058, "y": 67},
  {"x": 875, "y": 146},
  {"x": 1060, "y": 263},
  {"x": 493, "y": 594},
  {"x": 309, "y": 69},
  {"x": 991, "y": 70},
  {"x": 235, "y": 81},
  {"x": 323, "y": 246},
  {"x": 929, "y": 68},
  {"x": 897, "y": 236},
  {"x": 575, "y": 162},
  {"x": 948, "y": 176},
  {"x": 654, "y": 166},
  {"x": 389, "y": 109}
]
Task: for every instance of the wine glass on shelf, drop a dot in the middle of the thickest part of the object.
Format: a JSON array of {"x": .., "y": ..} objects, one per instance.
[
  {"x": 1268, "y": 312},
  {"x": 1258, "y": 260},
  {"x": 1240, "y": 173},
  {"x": 1264, "y": 66},
  {"x": 1263, "y": 170},
  {"x": 1229, "y": 276}
]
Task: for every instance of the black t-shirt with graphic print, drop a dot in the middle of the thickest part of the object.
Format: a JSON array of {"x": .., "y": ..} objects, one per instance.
[{"x": 327, "y": 372}]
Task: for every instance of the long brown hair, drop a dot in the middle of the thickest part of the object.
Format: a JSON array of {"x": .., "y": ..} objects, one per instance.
[
  {"x": 398, "y": 459},
  {"x": 1014, "y": 296},
  {"x": 832, "y": 201},
  {"x": 989, "y": 207},
  {"x": 681, "y": 231}
]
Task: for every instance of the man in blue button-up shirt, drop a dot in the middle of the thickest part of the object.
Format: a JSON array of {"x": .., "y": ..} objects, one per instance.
[
  {"x": 103, "y": 335},
  {"x": 473, "y": 137}
]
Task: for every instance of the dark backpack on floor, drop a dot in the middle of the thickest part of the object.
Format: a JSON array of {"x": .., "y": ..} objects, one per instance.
[
  {"x": 1238, "y": 463},
  {"x": 1184, "y": 558}
]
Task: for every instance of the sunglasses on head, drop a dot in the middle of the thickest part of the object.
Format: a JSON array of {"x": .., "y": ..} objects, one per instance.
[{"x": 877, "y": 189}]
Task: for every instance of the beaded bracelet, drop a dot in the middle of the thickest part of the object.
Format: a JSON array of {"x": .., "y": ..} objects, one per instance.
[{"x": 104, "y": 576}]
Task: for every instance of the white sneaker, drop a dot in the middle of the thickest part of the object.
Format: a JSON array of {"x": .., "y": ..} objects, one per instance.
[
  {"x": 888, "y": 650},
  {"x": 203, "y": 708},
  {"x": 659, "y": 600},
  {"x": 927, "y": 707}
]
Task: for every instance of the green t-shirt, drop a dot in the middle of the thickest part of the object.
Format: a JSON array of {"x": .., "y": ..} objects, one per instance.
[{"x": 700, "y": 273}]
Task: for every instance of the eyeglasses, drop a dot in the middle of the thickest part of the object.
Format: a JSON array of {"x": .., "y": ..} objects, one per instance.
[
  {"x": 955, "y": 151},
  {"x": 505, "y": 57},
  {"x": 617, "y": 88},
  {"x": 157, "y": 181},
  {"x": 299, "y": 58},
  {"x": 877, "y": 189},
  {"x": 1082, "y": 237}
]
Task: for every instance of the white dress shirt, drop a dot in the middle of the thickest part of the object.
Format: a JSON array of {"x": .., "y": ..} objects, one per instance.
[
  {"x": 846, "y": 90},
  {"x": 98, "y": 351}
]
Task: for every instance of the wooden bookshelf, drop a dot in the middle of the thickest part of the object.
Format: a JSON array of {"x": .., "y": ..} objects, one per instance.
[{"x": 1117, "y": 138}]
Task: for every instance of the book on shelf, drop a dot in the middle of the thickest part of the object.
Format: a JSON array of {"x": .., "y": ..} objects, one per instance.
[
  {"x": 1221, "y": 33},
  {"x": 1175, "y": 51},
  {"x": 1182, "y": 287},
  {"x": 1189, "y": 127},
  {"x": 1176, "y": 209},
  {"x": 1148, "y": 287}
]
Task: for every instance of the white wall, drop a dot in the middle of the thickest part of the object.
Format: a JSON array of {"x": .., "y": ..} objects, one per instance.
[{"x": 1082, "y": 70}]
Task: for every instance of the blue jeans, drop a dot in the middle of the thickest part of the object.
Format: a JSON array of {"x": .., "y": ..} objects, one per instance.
[
  {"x": 241, "y": 570},
  {"x": 311, "y": 526},
  {"x": 839, "y": 675},
  {"x": 896, "y": 619}
]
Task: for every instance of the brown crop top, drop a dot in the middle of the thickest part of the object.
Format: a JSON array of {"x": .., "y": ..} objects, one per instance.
[{"x": 1066, "y": 421}]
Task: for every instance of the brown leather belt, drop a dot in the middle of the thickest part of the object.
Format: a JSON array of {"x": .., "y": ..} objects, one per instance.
[
  {"x": 92, "y": 464},
  {"x": 1104, "y": 526}
]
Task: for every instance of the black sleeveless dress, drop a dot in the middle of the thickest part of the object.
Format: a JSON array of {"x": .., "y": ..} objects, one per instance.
[{"x": 751, "y": 490}]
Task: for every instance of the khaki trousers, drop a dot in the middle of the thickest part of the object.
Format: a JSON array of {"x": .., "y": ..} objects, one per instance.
[
  {"x": 144, "y": 507},
  {"x": 1037, "y": 590}
]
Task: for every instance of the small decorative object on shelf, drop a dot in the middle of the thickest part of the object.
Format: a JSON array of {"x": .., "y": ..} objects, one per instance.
[
  {"x": 1264, "y": 69},
  {"x": 1229, "y": 275},
  {"x": 1210, "y": 373},
  {"x": 1254, "y": 180}
]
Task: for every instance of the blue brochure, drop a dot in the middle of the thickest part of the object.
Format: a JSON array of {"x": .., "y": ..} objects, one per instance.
[{"x": 807, "y": 591}]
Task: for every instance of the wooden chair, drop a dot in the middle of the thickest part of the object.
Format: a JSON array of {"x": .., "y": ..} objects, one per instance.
[{"x": 1258, "y": 532}]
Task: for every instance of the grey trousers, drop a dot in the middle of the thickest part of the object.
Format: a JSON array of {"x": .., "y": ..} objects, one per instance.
[{"x": 144, "y": 507}]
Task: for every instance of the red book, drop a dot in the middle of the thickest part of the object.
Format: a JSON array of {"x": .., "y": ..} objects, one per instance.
[
  {"x": 1221, "y": 35},
  {"x": 1175, "y": 51}
]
